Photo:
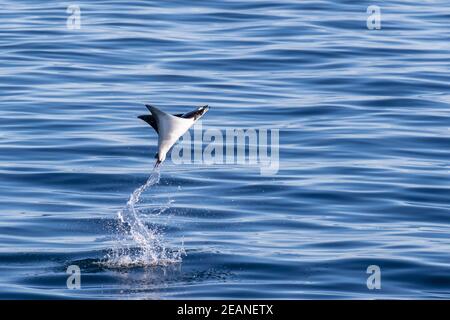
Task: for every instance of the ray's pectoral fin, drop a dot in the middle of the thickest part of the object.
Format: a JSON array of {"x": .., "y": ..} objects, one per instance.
[{"x": 150, "y": 119}]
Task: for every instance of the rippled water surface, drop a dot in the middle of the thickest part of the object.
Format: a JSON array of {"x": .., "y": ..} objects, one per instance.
[{"x": 363, "y": 118}]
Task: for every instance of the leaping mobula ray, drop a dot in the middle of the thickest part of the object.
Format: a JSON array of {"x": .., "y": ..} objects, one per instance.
[{"x": 170, "y": 127}]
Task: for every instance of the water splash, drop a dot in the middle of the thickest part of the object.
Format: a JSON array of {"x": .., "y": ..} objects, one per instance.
[{"x": 140, "y": 245}]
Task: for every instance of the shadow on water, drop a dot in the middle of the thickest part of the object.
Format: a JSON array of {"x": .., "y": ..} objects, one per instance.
[{"x": 150, "y": 281}]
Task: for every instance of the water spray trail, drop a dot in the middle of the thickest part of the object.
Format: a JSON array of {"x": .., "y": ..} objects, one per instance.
[
  {"x": 147, "y": 246},
  {"x": 146, "y": 239}
]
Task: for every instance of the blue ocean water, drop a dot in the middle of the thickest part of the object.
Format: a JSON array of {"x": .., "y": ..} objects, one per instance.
[{"x": 363, "y": 118}]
